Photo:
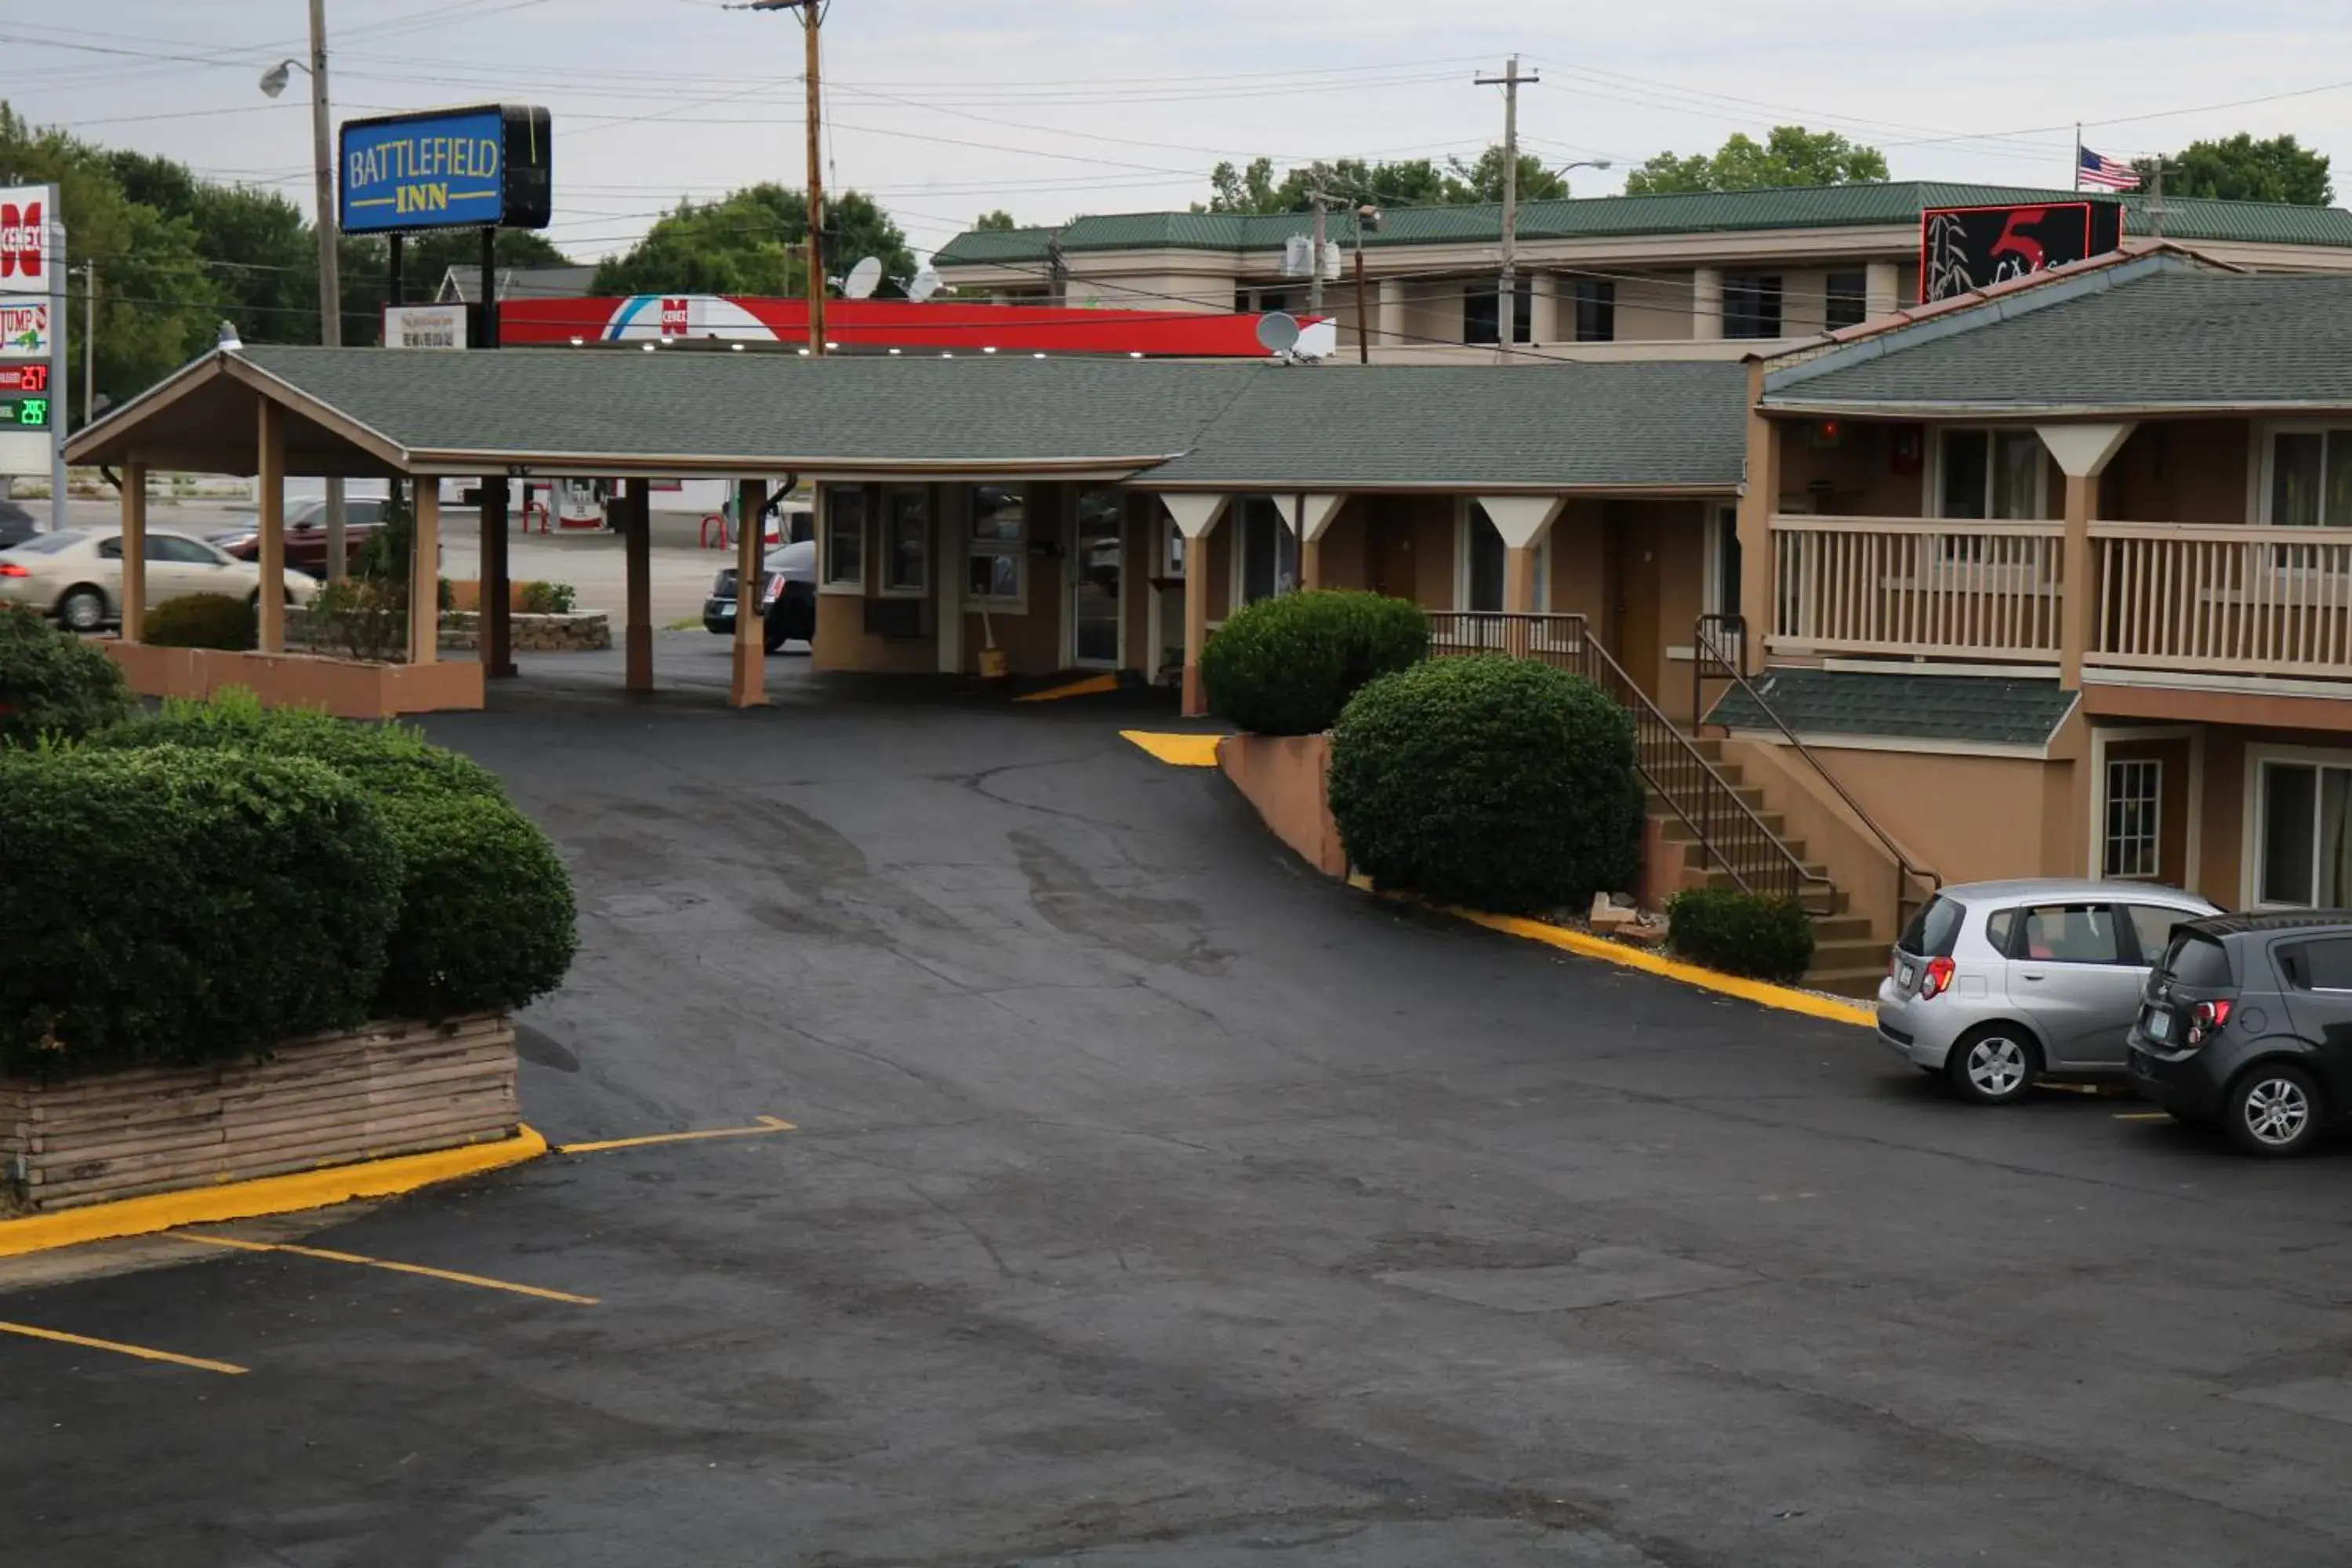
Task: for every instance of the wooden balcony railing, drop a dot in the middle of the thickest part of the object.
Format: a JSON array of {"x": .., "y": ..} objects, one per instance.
[
  {"x": 1913, "y": 585},
  {"x": 2222, "y": 599}
]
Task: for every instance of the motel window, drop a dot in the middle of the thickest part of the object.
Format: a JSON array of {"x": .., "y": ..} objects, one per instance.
[
  {"x": 996, "y": 557},
  {"x": 1751, "y": 305},
  {"x": 2310, "y": 479},
  {"x": 1265, "y": 555},
  {"x": 2303, "y": 834},
  {"x": 2135, "y": 796},
  {"x": 1478, "y": 313},
  {"x": 1596, "y": 310},
  {"x": 1992, "y": 474},
  {"x": 844, "y": 537},
  {"x": 906, "y": 541},
  {"x": 1849, "y": 300}
]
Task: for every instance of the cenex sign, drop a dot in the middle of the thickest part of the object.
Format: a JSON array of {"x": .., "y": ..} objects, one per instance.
[{"x": 450, "y": 168}]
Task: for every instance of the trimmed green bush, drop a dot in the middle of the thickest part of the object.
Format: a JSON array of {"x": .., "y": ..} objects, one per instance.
[
  {"x": 381, "y": 758},
  {"x": 170, "y": 905},
  {"x": 203, "y": 620},
  {"x": 486, "y": 915},
  {"x": 548, "y": 598},
  {"x": 1740, "y": 934},
  {"x": 1288, "y": 664},
  {"x": 1498, "y": 782},
  {"x": 54, "y": 683}
]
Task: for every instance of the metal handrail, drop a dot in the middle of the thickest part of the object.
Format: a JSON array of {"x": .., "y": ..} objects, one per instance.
[
  {"x": 1730, "y": 831},
  {"x": 1707, "y": 651}
]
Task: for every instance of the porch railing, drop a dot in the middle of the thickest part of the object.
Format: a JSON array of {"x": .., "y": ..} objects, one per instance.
[
  {"x": 1912, "y": 586},
  {"x": 1734, "y": 836},
  {"x": 2224, "y": 599},
  {"x": 1715, "y": 655}
]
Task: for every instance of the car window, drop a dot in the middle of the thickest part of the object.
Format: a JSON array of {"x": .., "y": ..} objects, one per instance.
[
  {"x": 2000, "y": 929},
  {"x": 2199, "y": 962},
  {"x": 185, "y": 551},
  {"x": 1934, "y": 929},
  {"x": 2153, "y": 925},
  {"x": 364, "y": 511},
  {"x": 50, "y": 544},
  {"x": 110, "y": 549},
  {"x": 2070, "y": 933},
  {"x": 2325, "y": 964}
]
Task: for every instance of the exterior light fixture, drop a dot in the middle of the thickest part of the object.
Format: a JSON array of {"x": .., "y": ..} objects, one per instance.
[
  {"x": 988, "y": 351},
  {"x": 577, "y": 341},
  {"x": 898, "y": 351}
]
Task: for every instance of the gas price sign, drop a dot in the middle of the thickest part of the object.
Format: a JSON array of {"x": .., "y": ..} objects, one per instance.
[
  {"x": 24, "y": 378},
  {"x": 24, "y": 413}
]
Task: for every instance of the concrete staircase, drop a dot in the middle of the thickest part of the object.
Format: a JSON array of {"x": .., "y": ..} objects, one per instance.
[{"x": 1849, "y": 958}]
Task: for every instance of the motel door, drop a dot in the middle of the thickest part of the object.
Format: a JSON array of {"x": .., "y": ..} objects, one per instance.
[{"x": 1095, "y": 596}]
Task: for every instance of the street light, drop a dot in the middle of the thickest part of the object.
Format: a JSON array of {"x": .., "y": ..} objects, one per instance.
[
  {"x": 274, "y": 80},
  {"x": 1561, "y": 173},
  {"x": 330, "y": 285}
]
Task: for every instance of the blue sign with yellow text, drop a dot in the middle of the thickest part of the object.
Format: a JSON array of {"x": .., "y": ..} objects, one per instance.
[{"x": 485, "y": 167}]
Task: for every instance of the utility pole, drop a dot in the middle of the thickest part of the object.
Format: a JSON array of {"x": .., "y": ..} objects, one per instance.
[
  {"x": 1506, "y": 291},
  {"x": 1367, "y": 216},
  {"x": 331, "y": 283},
  {"x": 812, "y": 19},
  {"x": 89, "y": 341},
  {"x": 1321, "y": 198},
  {"x": 2156, "y": 201}
]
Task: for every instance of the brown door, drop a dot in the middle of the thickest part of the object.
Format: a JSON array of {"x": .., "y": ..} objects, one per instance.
[
  {"x": 1633, "y": 584},
  {"x": 1392, "y": 565}
]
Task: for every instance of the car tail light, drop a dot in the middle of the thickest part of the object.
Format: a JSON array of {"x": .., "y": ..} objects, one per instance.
[
  {"x": 2207, "y": 1019},
  {"x": 1938, "y": 978},
  {"x": 775, "y": 590},
  {"x": 10, "y": 569}
]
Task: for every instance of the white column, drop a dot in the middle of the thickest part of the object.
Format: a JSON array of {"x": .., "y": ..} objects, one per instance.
[
  {"x": 1706, "y": 303},
  {"x": 2083, "y": 451},
  {"x": 1882, "y": 281},
  {"x": 1196, "y": 516},
  {"x": 1543, "y": 308},
  {"x": 1522, "y": 520},
  {"x": 1389, "y": 316}
]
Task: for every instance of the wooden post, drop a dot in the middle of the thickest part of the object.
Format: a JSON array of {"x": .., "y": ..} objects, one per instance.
[
  {"x": 750, "y": 687},
  {"x": 425, "y": 571},
  {"x": 270, "y": 493},
  {"x": 1196, "y": 623},
  {"x": 1520, "y": 579},
  {"x": 2074, "y": 594},
  {"x": 497, "y": 599},
  {"x": 637, "y": 550},
  {"x": 134, "y": 551},
  {"x": 1759, "y": 561}
]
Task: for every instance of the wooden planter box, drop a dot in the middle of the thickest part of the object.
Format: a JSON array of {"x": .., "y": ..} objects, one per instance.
[
  {"x": 331, "y": 1099},
  {"x": 347, "y": 688}
]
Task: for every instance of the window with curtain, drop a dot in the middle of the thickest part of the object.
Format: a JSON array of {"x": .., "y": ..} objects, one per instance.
[
  {"x": 906, "y": 541},
  {"x": 2135, "y": 802},
  {"x": 1849, "y": 300},
  {"x": 2303, "y": 835},
  {"x": 996, "y": 558},
  {"x": 2311, "y": 479},
  {"x": 1596, "y": 310},
  {"x": 1484, "y": 550},
  {"x": 1992, "y": 474},
  {"x": 1269, "y": 556},
  {"x": 844, "y": 537},
  {"x": 1751, "y": 305}
]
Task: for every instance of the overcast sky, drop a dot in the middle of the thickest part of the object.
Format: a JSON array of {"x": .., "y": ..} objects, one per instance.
[{"x": 1050, "y": 107}]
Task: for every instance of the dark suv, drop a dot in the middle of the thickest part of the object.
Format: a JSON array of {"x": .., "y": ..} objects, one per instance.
[
  {"x": 2248, "y": 1021},
  {"x": 787, "y": 604}
]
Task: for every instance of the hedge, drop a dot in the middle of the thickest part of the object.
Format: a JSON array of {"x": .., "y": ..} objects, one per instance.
[
  {"x": 1740, "y": 934},
  {"x": 485, "y": 913},
  {"x": 174, "y": 906},
  {"x": 1498, "y": 782},
  {"x": 53, "y": 683},
  {"x": 1286, "y": 666},
  {"x": 203, "y": 620}
]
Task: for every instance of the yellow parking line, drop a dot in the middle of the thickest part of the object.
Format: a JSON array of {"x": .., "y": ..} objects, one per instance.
[
  {"x": 118, "y": 1347},
  {"x": 1088, "y": 686},
  {"x": 1183, "y": 751},
  {"x": 766, "y": 1124},
  {"x": 2143, "y": 1116},
  {"x": 326, "y": 1256}
]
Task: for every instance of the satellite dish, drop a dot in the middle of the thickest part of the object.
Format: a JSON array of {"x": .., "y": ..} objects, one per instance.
[
  {"x": 926, "y": 283},
  {"x": 863, "y": 279},
  {"x": 1277, "y": 331}
]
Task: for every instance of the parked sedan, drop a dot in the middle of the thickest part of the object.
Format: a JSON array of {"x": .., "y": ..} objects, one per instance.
[
  {"x": 1995, "y": 985},
  {"x": 306, "y": 534},
  {"x": 787, "y": 597},
  {"x": 15, "y": 525},
  {"x": 2247, "y": 1021},
  {"x": 76, "y": 575}
]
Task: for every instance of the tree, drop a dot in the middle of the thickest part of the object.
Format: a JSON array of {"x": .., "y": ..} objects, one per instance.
[
  {"x": 2240, "y": 169},
  {"x": 1483, "y": 181},
  {"x": 1791, "y": 155},
  {"x": 999, "y": 219},
  {"x": 427, "y": 258},
  {"x": 1411, "y": 182},
  {"x": 262, "y": 252},
  {"x": 744, "y": 242}
]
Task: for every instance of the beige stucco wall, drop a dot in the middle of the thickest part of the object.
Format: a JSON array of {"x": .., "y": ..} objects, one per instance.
[
  {"x": 2180, "y": 470},
  {"x": 1971, "y": 818},
  {"x": 1860, "y": 470}
]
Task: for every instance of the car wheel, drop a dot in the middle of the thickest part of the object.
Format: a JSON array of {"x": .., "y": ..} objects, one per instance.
[
  {"x": 1994, "y": 1064},
  {"x": 772, "y": 636},
  {"x": 2273, "y": 1110},
  {"x": 83, "y": 609}
]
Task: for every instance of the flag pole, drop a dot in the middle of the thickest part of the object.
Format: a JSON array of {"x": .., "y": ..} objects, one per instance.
[{"x": 2078, "y": 157}]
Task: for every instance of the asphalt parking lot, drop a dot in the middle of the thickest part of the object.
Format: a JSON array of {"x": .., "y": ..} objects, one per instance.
[{"x": 1147, "y": 1201}]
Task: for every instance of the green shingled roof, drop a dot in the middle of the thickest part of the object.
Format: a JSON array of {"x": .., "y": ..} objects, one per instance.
[
  {"x": 1898, "y": 202},
  {"x": 1980, "y": 710},
  {"x": 2157, "y": 332},
  {"x": 1244, "y": 425}
]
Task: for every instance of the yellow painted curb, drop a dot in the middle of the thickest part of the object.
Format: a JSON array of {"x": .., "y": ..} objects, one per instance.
[
  {"x": 1760, "y": 991},
  {"x": 269, "y": 1195},
  {"x": 1089, "y": 686},
  {"x": 1183, "y": 751}
]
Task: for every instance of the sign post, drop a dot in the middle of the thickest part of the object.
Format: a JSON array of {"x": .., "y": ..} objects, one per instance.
[{"x": 32, "y": 339}]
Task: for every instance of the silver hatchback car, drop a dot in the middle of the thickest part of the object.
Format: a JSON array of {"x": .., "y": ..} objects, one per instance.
[{"x": 1995, "y": 985}]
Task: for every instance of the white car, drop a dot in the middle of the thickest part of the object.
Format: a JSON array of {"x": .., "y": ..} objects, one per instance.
[{"x": 76, "y": 575}]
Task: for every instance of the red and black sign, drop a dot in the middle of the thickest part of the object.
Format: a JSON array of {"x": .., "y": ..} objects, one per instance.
[
  {"x": 24, "y": 377},
  {"x": 1962, "y": 249}
]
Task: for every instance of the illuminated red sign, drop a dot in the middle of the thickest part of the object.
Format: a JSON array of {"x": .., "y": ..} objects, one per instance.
[{"x": 24, "y": 378}]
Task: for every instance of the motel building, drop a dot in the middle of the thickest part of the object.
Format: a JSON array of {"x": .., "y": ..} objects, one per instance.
[{"x": 1709, "y": 275}]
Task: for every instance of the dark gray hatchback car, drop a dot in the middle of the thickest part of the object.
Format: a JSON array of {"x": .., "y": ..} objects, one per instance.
[{"x": 2247, "y": 1022}]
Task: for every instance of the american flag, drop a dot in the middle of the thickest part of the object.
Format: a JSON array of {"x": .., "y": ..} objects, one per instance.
[{"x": 2100, "y": 171}]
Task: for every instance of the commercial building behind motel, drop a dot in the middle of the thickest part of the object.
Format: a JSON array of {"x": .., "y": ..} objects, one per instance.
[{"x": 2058, "y": 579}]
